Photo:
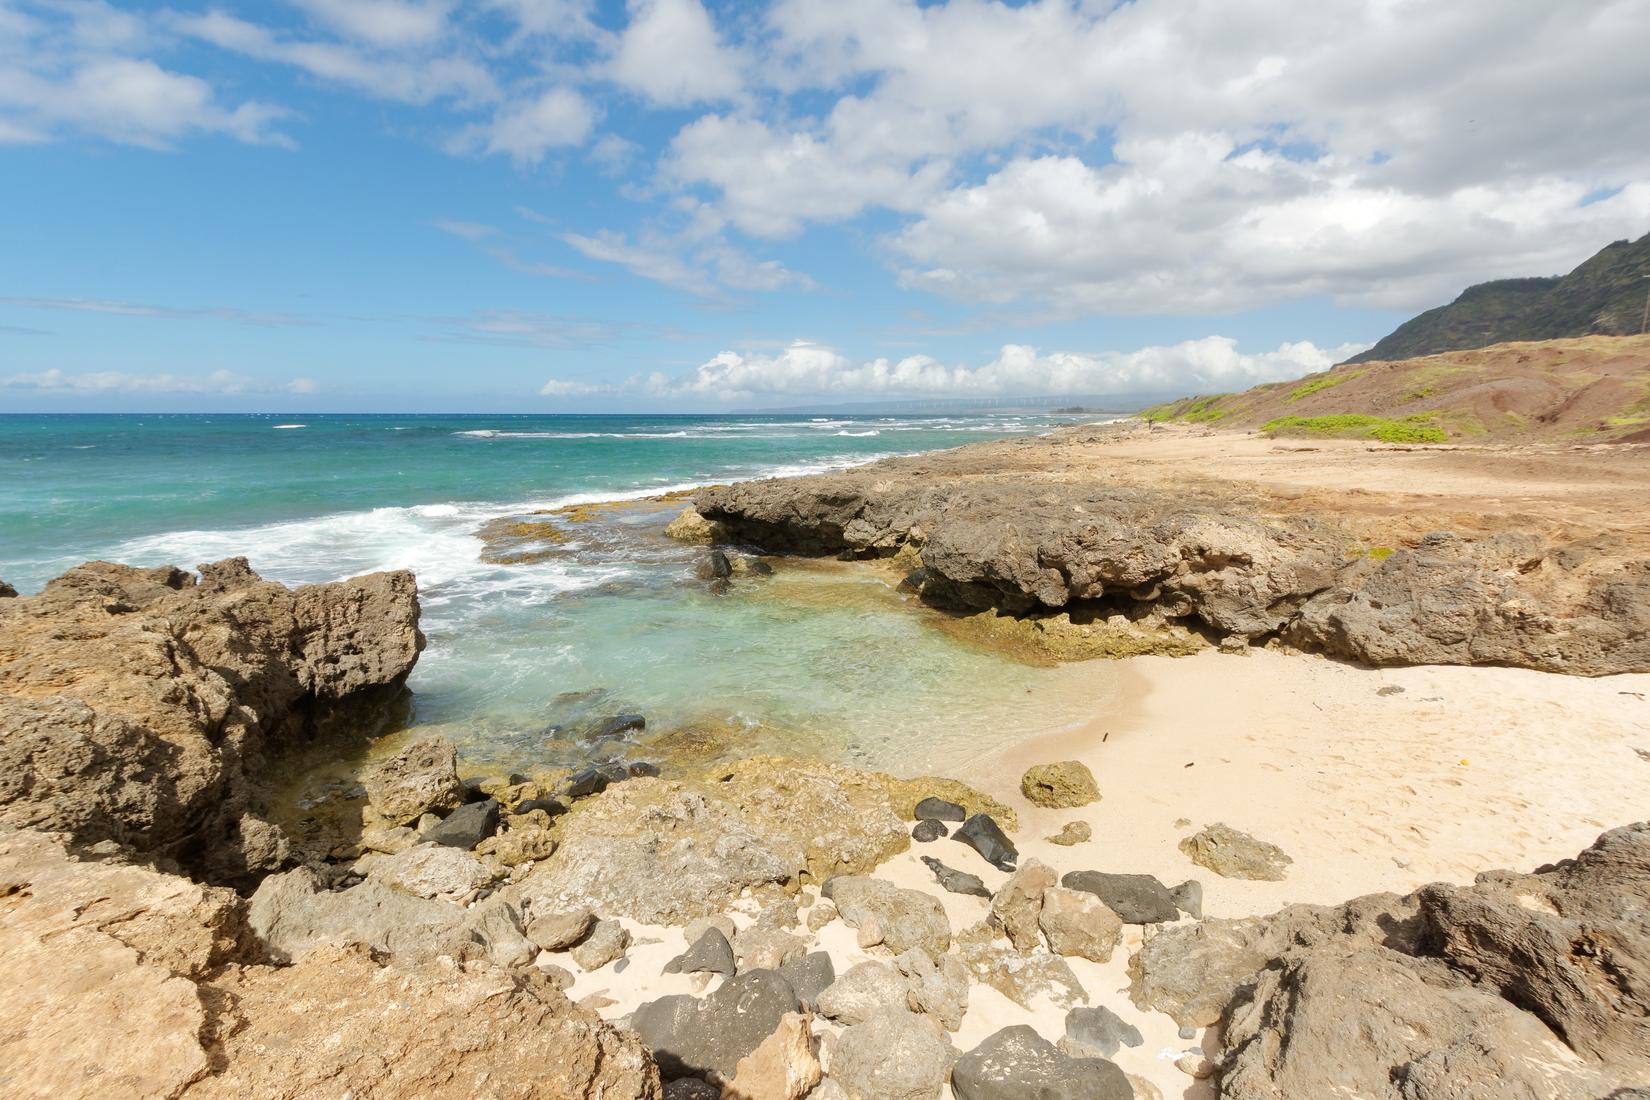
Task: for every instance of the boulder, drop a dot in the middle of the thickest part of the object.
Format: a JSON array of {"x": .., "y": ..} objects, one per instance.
[
  {"x": 1015, "y": 907},
  {"x": 420, "y": 779},
  {"x": 1138, "y": 899},
  {"x": 955, "y": 881},
  {"x": 606, "y": 943},
  {"x": 906, "y": 918},
  {"x": 894, "y": 1055},
  {"x": 1078, "y": 924},
  {"x": 432, "y": 871},
  {"x": 559, "y": 931},
  {"x": 927, "y": 831},
  {"x": 690, "y": 526},
  {"x": 524, "y": 841},
  {"x": 1065, "y": 784},
  {"x": 293, "y": 913},
  {"x": 709, "y": 954},
  {"x": 1022, "y": 978},
  {"x": 809, "y": 975},
  {"x": 864, "y": 990},
  {"x": 1233, "y": 854},
  {"x": 467, "y": 826},
  {"x": 938, "y": 809},
  {"x": 1100, "y": 1030},
  {"x": 1018, "y": 1064},
  {"x": 693, "y": 1037},
  {"x": 762, "y": 948},
  {"x": 7, "y": 591},
  {"x": 1188, "y": 898},
  {"x": 937, "y": 987},
  {"x": 782, "y": 1067},
  {"x": 981, "y": 833},
  {"x": 139, "y": 706}
]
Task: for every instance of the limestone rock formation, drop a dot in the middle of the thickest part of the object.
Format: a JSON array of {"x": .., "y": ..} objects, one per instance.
[
  {"x": 1234, "y": 854},
  {"x": 1063, "y": 785},
  {"x": 139, "y": 705}
]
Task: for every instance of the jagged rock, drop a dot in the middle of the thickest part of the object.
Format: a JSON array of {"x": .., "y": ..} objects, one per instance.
[
  {"x": 420, "y": 779},
  {"x": 698, "y": 926},
  {"x": 828, "y": 1090},
  {"x": 293, "y": 913},
  {"x": 690, "y": 526},
  {"x": 894, "y": 1055},
  {"x": 907, "y": 918},
  {"x": 694, "y": 1036},
  {"x": 1188, "y": 898},
  {"x": 709, "y": 954},
  {"x": 1064, "y": 785},
  {"x": 466, "y": 826},
  {"x": 522, "y": 842},
  {"x": 1100, "y": 1030},
  {"x": 1233, "y": 854},
  {"x": 955, "y": 881},
  {"x": 389, "y": 839},
  {"x": 782, "y": 1067},
  {"x": 664, "y": 852},
  {"x": 981, "y": 833},
  {"x": 605, "y": 943},
  {"x": 7, "y": 591},
  {"x": 559, "y": 931},
  {"x": 938, "y": 987},
  {"x": 809, "y": 975},
  {"x": 760, "y": 948},
  {"x": 432, "y": 871},
  {"x": 1018, "y": 1064},
  {"x": 927, "y": 831},
  {"x": 1074, "y": 832},
  {"x": 1016, "y": 906},
  {"x": 1138, "y": 899},
  {"x": 123, "y": 981},
  {"x": 1020, "y": 977},
  {"x": 138, "y": 706},
  {"x": 938, "y": 809},
  {"x": 1079, "y": 924},
  {"x": 864, "y": 990}
]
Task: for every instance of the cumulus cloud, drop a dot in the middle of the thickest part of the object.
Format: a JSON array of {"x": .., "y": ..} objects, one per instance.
[
  {"x": 671, "y": 54},
  {"x": 557, "y": 387},
  {"x": 804, "y": 369},
  {"x": 525, "y": 131},
  {"x": 119, "y": 382}
]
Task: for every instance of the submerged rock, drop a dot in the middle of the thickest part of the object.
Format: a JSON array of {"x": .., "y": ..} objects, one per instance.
[
  {"x": 982, "y": 834},
  {"x": 1233, "y": 854},
  {"x": 690, "y": 526},
  {"x": 1062, "y": 785}
]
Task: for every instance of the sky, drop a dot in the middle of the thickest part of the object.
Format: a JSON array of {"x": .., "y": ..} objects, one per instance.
[{"x": 560, "y": 205}]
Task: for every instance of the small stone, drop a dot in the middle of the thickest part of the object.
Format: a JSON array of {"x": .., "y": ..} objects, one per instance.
[
  {"x": 466, "y": 826},
  {"x": 955, "y": 881},
  {"x": 1195, "y": 1064},
  {"x": 938, "y": 809},
  {"x": 613, "y": 726},
  {"x": 692, "y": 1088},
  {"x": 1234, "y": 854},
  {"x": 1188, "y": 898},
  {"x": 1138, "y": 899},
  {"x": 981, "y": 833},
  {"x": 927, "y": 830},
  {"x": 709, "y": 954},
  {"x": 560, "y": 977},
  {"x": 1100, "y": 1029},
  {"x": 690, "y": 526},
  {"x": 1188, "y": 1032},
  {"x": 1075, "y": 832},
  {"x": 605, "y": 943},
  {"x": 1061, "y": 785},
  {"x": 559, "y": 931},
  {"x": 822, "y": 913},
  {"x": 1389, "y": 689},
  {"x": 1078, "y": 924}
]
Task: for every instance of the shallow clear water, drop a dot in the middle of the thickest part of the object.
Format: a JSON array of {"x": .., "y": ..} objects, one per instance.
[{"x": 816, "y": 660}]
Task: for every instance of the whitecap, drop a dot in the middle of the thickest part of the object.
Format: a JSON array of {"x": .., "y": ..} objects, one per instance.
[{"x": 289, "y": 427}]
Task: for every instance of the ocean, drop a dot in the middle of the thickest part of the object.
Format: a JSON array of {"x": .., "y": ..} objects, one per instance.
[{"x": 527, "y": 650}]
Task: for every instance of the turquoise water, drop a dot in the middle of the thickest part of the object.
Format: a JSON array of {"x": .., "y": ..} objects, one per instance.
[{"x": 609, "y": 617}]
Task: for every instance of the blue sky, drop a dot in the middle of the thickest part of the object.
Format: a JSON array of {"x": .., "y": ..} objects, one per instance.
[{"x": 551, "y": 205}]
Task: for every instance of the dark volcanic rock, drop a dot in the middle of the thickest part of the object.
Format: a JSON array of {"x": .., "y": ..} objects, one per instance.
[
  {"x": 981, "y": 833},
  {"x": 614, "y": 726},
  {"x": 1138, "y": 899},
  {"x": 466, "y": 826},
  {"x": 927, "y": 831},
  {"x": 710, "y": 954},
  {"x": 938, "y": 809},
  {"x": 809, "y": 975},
  {"x": 1018, "y": 1064},
  {"x": 692, "y": 1036},
  {"x": 139, "y": 705},
  {"x": 958, "y": 882},
  {"x": 1101, "y": 1029},
  {"x": 6, "y": 591}
]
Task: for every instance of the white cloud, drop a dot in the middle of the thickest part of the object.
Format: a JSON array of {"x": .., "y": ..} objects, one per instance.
[
  {"x": 557, "y": 387},
  {"x": 528, "y": 130},
  {"x": 688, "y": 261},
  {"x": 670, "y": 53},
  {"x": 143, "y": 309},
  {"x": 119, "y": 382},
  {"x": 382, "y": 22},
  {"x": 807, "y": 369}
]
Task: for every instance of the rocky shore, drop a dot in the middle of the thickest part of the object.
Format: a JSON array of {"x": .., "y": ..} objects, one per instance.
[
  {"x": 769, "y": 928},
  {"x": 1123, "y": 539}
]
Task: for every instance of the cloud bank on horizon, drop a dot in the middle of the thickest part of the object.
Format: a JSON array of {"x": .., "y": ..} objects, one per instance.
[{"x": 672, "y": 200}]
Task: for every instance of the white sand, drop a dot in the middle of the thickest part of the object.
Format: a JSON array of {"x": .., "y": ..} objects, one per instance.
[{"x": 1464, "y": 770}]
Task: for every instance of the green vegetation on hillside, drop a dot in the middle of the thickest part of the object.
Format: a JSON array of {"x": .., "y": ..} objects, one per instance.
[
  {"x": 1604, "y": 296},
  {"x": 1319, "y": 383},
  {"x": 1420, "y": 428},
  {"x": 1190, "y": 410}
]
